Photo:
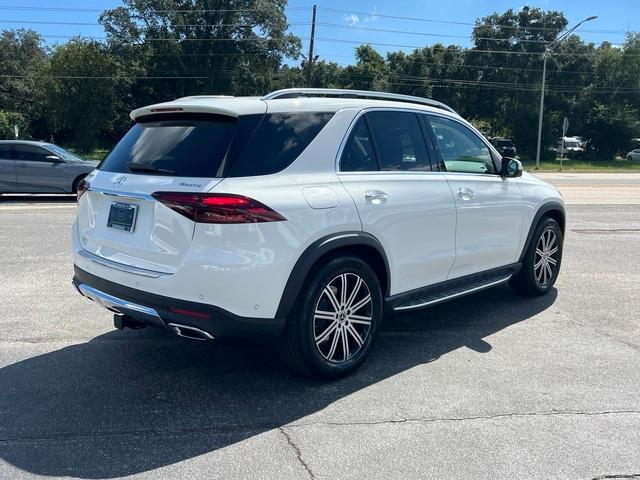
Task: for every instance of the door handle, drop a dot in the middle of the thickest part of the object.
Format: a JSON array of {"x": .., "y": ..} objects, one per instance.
[
  {"x": 375, "y": 197},
  {"x": 466, "y": 193}
]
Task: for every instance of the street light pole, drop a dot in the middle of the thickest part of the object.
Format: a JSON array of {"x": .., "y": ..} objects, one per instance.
[{"x": 546, "y": 53}]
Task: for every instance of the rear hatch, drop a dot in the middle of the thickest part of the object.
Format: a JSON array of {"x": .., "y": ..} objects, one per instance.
[{"x": 119, "y": 218}]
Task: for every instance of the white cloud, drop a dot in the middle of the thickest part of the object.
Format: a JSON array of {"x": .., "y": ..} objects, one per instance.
[
  {"x": 351, "y": 19},
  {"x": 373, "y": 17}
]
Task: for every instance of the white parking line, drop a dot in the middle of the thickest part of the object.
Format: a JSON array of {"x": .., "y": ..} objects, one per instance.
[{"x": 36, "y": 206}]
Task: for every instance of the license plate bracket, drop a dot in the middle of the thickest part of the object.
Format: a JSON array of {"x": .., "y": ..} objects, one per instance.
[{"x": 122, "y": 216}]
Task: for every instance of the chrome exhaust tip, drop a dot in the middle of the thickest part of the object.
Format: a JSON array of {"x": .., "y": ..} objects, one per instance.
[{"x": 191, "y": 333}]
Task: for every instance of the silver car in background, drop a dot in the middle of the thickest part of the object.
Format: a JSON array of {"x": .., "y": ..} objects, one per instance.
[{"x": 40, "y": 167}]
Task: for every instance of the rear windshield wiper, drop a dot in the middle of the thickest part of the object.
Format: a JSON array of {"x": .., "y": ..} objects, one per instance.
[{"x": 142, "y": 167}]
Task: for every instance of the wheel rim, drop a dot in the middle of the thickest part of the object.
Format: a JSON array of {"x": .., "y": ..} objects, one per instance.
[
  {"x": 342, "y": 318},
  {"x": 546, "y": 257}
]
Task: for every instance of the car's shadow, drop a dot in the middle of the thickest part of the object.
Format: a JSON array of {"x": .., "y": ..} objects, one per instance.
[
  {"x": 37, "y": 198},
  {"x": 129, "y": 402}
]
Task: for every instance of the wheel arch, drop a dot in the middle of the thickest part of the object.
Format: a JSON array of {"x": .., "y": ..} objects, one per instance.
[
  {"x": 357, "y": 243},
  {"x": 76, "y": 182},
  {"x": 553, "y": 210}
]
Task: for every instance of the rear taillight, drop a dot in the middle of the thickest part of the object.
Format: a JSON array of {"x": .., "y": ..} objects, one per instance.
[
  {"x": 218, "y": 207},
  {"x": 83, "y": 186}
]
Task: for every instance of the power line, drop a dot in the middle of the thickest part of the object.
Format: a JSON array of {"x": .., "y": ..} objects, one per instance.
[
  {"x": 96, "y": 24},
  {"x": 461, "y": 49},
  {"x": 100, "y": 10},
  {"x": 442, "y": 35},
  {"x": 405, "y": 80},
  {"x": 187, "y": 39},
  {"x": 452, "y": 22}
]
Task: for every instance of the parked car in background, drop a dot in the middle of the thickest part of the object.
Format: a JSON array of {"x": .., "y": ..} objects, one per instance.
[
  {"x": 40, "y": 167},
  {"x": 633, "y": 154},
  {"x": 572, "y": 146},
  {"x": 303, "y": 216},
  {"x": 505, "y": 146}
]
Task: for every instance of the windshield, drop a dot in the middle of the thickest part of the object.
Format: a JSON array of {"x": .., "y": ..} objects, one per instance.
[
  {"x": 571, "y": 144},
  {"x": 64, "y": 154}
]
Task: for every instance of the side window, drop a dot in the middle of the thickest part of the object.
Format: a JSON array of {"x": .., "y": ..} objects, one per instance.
[
  {"x": 277, "y": 142},
  {"x": 358, "y": 154},
  {"x": 461, "y": 149},
  {"x": 30, "y": 153},
  {"x": 5, "y": 152},
  {"x": 399, "y": 140}
]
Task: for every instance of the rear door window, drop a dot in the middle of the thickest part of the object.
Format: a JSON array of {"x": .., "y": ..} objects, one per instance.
[
  {"x": 279, "y": 139},
  {"x": 399, "y": 141},
  {"x": 194, "y": 146}
]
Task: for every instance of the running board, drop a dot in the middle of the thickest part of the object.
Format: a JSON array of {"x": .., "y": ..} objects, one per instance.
[{"x": 455, "y": 292}]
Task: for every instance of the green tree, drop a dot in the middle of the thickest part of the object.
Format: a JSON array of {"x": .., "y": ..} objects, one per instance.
[
  {"x": 8, "y": 120},
  {"x": 85, "y": 98},
  {"x": 23, "y": 62},
  {"x": 222, "y": 47},
  {"x": 610, "y": 128},
  {"x": 370, "y": 72}
]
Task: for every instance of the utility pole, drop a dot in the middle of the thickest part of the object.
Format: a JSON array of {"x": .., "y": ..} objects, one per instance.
[
  {"x": 547, "y": 52},
  {"x": 544, "y": 76},
  {"x": 310, "y": 58}
]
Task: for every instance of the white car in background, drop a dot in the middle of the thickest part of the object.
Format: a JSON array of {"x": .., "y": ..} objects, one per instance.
[
  {"x": 633, "y": 154},
  {"x": 305, "y": 215}
]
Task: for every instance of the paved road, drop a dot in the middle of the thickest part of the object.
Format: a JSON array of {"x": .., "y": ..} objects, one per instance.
[
  {"x": 597, "y": 188},
  {"x": 491, "y": 386}
]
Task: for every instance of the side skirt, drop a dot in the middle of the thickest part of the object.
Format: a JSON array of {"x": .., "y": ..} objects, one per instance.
[{"x": 450, "y": 289}]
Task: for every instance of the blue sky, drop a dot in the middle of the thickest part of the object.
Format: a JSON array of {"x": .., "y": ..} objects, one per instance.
[{"x": 347, "y": 17}]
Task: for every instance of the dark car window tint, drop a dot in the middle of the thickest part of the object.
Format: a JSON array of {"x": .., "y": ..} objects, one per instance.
[
  {"x": 5, "y": 152},
  {"x": 358, "y": 154},
  {"x": 277, "y": 142},
  {"x": 461, "y": 149},
  {"x": 182, "y": 147},
  {"x": 30, "y": 153},
  {"x": 399, "y": 140}
]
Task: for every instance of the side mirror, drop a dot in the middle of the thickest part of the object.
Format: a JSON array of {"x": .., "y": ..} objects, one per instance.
[
  {"x": 511, "y": 168},
  {"x": 54, "y": 158}
]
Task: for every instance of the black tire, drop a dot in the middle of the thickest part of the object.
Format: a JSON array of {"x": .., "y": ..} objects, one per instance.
[
  {"x": 76, "y": 182},
  {"x": 297, "y": 345},
  {"x": 629, "y": 158},
  {"x": 534, "y": 281}
]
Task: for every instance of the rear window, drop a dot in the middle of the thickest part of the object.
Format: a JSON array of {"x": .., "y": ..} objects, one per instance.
[
  {"x": 179, "y": 147},
  {"x": 277, "y": 142},
  {"x": 214, "y": 146}
]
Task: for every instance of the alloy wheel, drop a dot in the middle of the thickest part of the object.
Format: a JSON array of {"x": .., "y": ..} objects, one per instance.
[
  {"x": 342, "y": 318},
  {"x": 546, "y": 257}
]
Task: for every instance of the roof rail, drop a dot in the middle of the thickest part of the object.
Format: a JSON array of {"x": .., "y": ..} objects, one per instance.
[{"x": 345, "y": 93}]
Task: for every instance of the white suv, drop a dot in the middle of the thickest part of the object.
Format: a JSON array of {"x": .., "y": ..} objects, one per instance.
[{"x": 304, "y": 216}]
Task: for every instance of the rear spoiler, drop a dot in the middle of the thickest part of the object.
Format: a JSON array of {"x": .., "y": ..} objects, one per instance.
[
  {"x": 164, "y": 108},
  {"x": 216, "y": 105}
]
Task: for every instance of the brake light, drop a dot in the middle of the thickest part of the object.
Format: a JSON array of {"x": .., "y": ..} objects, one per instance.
[
  {"x": 218, "y": 207},
  {"x": 83, "y": 186}
]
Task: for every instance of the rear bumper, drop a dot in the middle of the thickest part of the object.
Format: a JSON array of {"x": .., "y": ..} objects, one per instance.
[{"x": 156, "y": 310}]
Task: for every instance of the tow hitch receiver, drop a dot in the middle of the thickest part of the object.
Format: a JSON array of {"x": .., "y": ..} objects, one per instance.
[{"x": 125, "y": 321}]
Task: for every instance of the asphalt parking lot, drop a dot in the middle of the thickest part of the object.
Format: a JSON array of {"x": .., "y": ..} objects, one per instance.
[{"x": 493, "y": 385}]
